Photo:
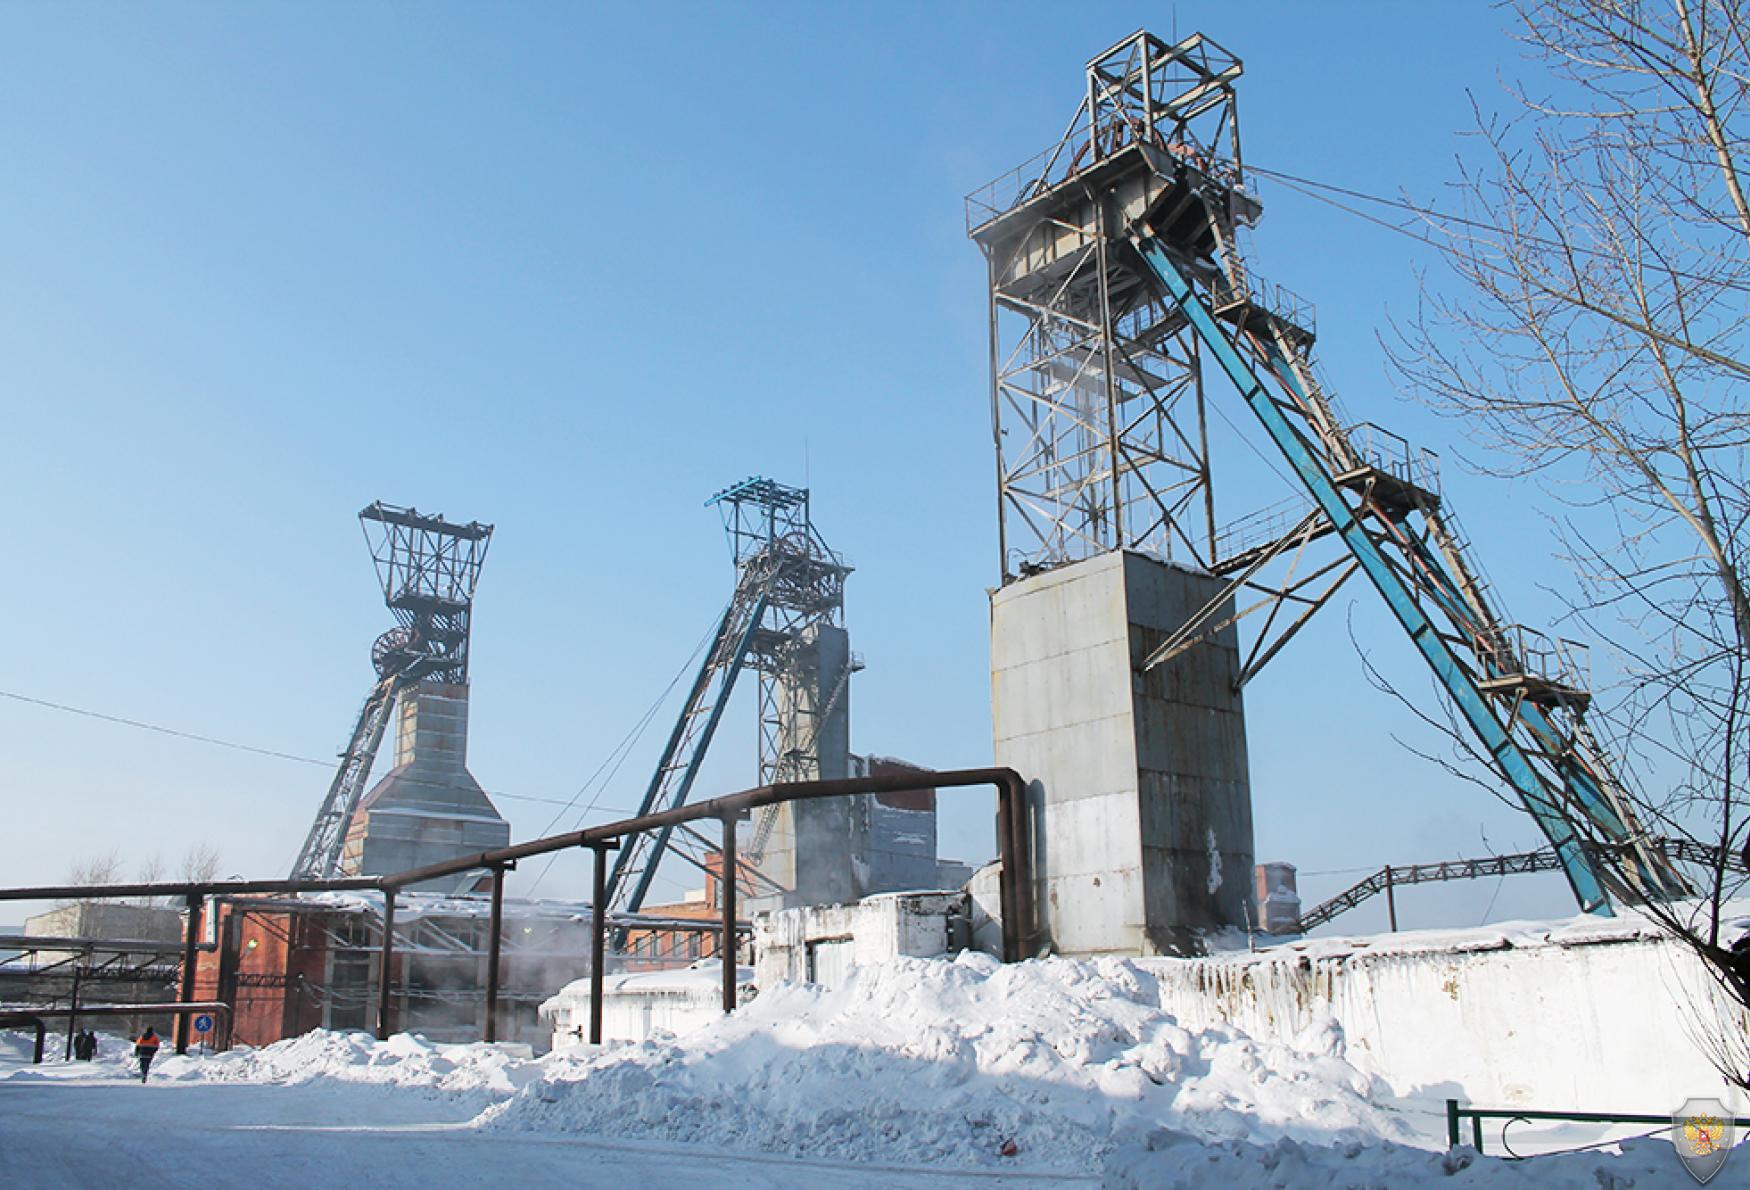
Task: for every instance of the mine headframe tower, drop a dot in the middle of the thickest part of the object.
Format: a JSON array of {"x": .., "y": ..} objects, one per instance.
[
  {"x": 789, "y": 593},
  {"x": 1116, "y": 272},
  {"x": 428, "y": 568}
]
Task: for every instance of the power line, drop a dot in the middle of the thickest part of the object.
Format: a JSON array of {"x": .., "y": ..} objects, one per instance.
[
  {"x": 161, "y": 730},
  {"x": 1305, "y": 186},
  {"x": 624, "y": 748},
  {"x": 215, "y": 741}
]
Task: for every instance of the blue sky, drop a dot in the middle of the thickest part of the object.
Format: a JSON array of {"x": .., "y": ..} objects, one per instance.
[{"x": 570, "y": 269}]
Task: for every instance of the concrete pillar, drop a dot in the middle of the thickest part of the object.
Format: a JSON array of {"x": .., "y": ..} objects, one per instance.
[
  {"x": 818, "y": 849},
  {"x": 1138, "y": 787}
]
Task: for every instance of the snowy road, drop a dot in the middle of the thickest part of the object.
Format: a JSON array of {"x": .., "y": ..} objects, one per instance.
[{"x": 94, "y": 1132}]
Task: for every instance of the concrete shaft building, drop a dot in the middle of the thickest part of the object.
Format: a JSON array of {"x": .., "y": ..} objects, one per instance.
[
  {"x": 1108, "y": 538},
  {"x": 813, "y": 847},
  {"x": 1139, "y": 795},
  {"x": 428, "y": 808}
]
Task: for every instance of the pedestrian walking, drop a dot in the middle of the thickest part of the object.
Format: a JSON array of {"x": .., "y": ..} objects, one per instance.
[{"x": 145, "y": 1049}]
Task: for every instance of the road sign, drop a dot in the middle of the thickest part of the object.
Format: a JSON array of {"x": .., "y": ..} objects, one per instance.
[{"x": 203, "y": 1023}]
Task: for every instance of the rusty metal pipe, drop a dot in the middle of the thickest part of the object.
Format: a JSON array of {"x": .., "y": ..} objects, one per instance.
[
  {"x": 1006, "y": 877},
  {"x": 1017, "y": 874},
  {"x": 726, "y": 889},
  {"x": 190, "y": 936},
  {"x": 494, "y": 943},
  {"x": 387, "y": 957},
  {"x": 730, "y": 804},
  {"x": 205, "y": 888},
  {"x": 598, "y": 942}
]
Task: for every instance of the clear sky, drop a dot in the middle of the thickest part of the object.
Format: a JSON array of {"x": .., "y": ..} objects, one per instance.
[{"x": 569, "y": 269}]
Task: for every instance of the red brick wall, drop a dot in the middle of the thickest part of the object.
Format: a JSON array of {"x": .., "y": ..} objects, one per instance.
[{"x": 270, "y": 1004}]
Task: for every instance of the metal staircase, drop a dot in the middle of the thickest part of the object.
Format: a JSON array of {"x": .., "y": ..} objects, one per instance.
[{"x": 1519, "y": 699}]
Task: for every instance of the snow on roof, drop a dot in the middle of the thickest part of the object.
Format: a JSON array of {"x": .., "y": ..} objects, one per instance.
[
  {"x": 413, "y": 904},
  {"x": 703, "y": 977},
  {"x": 1582, "y": 929}
]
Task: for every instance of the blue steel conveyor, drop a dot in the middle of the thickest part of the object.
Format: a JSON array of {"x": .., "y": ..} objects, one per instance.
[{"x": 1526, "y": 716}]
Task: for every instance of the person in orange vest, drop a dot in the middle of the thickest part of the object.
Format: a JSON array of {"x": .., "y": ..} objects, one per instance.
[{"x": 145, "y": 1049}]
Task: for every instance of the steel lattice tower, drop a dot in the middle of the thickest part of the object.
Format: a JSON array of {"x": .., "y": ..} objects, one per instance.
[
  {"x": 428, "y": 568},
  {"x": 1097, "y": 392},
  {"x": 785, "y": 620},
  {"x": 1116, "y": 275}
]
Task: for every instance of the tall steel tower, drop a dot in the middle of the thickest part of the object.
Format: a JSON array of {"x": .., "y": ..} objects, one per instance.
[
  {"x": 1116, "y": 274},
  {"x": 803, "y": 657},
  {"x": 1096, "y": 386},
  {"x": 429, "y": 807},
  {"x": 785, "y": 619}
]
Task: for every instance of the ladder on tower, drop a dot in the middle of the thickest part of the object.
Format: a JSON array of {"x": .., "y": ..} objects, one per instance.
[{"x": 1383, "y": 500}]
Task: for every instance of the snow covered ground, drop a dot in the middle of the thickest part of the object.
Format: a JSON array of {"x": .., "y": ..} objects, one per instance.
[{"x": 916, "y": 1073}]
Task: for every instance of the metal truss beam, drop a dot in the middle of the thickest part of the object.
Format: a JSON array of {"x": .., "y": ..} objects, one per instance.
[
  {"x": 1680, "y": 850},
  {"x": 1371, "y": 509},
  {"x": 319, "y": 857},
  {"x": 1204, "y": 624}
]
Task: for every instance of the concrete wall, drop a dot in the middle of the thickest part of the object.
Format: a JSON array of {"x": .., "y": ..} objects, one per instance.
[
  {"x": 108, "y": 920},
  {"x": 818, "y": 850},
  {"x": 880, "y": 927},
  {"x": 902, "y": 846},
  {"x": 1600, "y": 1023},
  {"x": 636, "y": 1007},
  {"x": 984, "y": 908},
  {"x": 1139, "y": 790}
]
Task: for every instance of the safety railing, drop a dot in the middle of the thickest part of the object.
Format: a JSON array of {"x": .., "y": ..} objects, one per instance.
[
  {"x": 1456, "y": 1115},
  {"x": 1077, "y": 152},
  {"x": 1009, "y": 190},
  {"x": 1380, "y": 449},
  {"x": 1264, "y": 527},
  {"x": 1278, "y": 301},
  {"x": 1513, "y": 650}
]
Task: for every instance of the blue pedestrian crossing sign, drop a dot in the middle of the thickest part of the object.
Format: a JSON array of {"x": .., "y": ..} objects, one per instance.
[{"x": 203, "y": 1023}]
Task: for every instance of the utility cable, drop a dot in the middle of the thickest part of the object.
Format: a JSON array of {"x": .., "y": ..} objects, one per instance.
[
  {"x": 1306, "y": 187},
  {"x": 170, "y": 731},
  {"x": 624, "y": 749},
  {"x": 250, "y": 748}
]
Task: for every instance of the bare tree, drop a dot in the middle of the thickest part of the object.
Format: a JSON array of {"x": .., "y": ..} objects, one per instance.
[
  {"x": 150, "y": 871},
  {"x": 94, "y": 869},
  {"x": 1598, "y": 338},
  {"x": 201, "y": 863}
]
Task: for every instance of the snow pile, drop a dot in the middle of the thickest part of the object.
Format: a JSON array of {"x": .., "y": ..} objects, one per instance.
[
  {"x": 1054, "y": 1064},
  {"x": 962, "y": 1062},
  {"x": 405, "y": 1060},
  {"x": 115, "y": 1057},
  {"x": 16, "y": 1047}
]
